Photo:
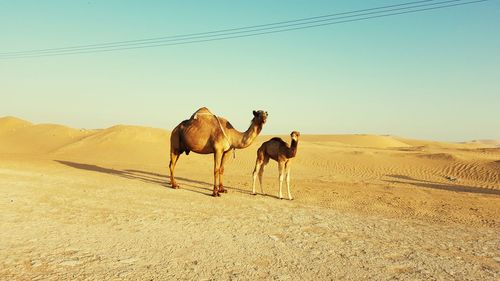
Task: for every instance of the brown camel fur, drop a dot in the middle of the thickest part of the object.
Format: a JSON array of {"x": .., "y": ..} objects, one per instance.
[
  {"x": 278, "y": 150},
  {"x": 206, "y": 133}
]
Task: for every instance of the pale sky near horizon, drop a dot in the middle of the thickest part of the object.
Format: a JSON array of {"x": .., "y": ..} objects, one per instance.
[{"x": 428, "y": 75}]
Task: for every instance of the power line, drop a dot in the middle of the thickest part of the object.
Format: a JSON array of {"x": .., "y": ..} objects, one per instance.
[
  {"x": 219, "y": 33},
  {"x": 276, "y": 24},
  {"x": 202, "y": 38},
  {"x": 230, "y": 35}
]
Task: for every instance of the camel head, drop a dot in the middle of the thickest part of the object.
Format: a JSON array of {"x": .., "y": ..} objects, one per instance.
[
  {"x": 295, "y": 135},
  {"x": 260, "y": 117}
]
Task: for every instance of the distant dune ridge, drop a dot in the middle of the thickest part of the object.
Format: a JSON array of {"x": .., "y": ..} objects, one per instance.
[
  {"x": 9, "y": 124},
  {"x": 120, "y": 142},
  {"x": 374, "y": 141},
  {"x": 355, "y": 156},
  {"x": 17, "y": 135},
  {"x": 495, "y": 143}
]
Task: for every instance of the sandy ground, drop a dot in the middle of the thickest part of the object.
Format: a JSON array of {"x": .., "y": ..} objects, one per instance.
[{"x": 95, "y": 204}]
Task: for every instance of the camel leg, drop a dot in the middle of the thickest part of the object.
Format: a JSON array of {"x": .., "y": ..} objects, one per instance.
[
  {"x": 217, "y": 163},
  {"x": 265, "y": 161},
  {"x": 281, "y": 168},
  {"x": 258, "y": 171},
  {"x": 173, "y": 160},
  {"x": 287, "y": 169},
  {"x": 254, "y": 175},
  {"x": 225, "y": 156},
  {"x": 261, "y": 172}
]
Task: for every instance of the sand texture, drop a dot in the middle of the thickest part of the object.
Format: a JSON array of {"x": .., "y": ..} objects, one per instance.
[{"x": 96, "y": 205}]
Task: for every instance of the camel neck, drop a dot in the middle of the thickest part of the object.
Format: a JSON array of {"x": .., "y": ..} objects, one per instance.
[
  {"x": 293, "y": 149},
  {"x": 243, "y": 140}
]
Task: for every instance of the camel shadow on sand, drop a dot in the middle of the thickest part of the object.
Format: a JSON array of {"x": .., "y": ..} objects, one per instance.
[
  {"x": 200, "y": 187},
  {"x": 181, "y": 179},
  {"x": 400, "y": 179}
]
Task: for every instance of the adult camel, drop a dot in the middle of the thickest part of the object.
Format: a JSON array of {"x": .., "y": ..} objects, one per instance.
[{"x": 205, "y": 133}]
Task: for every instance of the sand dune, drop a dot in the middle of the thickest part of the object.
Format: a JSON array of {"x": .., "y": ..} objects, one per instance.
[
  {"x": 9, "y": 124},
  {"x": 358, "y": 140},
  {"x": 452, "y": 145},
  {"x": 42, "y": 138},
  {"x": 120, "y": 143},
  {"x": 347, "y": 156},
  {"x": 495, "y": 143},
  {"x": 95, "y": 204}
]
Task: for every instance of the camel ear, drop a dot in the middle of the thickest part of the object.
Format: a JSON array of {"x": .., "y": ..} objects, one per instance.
[{"x": 255, "y": 113}]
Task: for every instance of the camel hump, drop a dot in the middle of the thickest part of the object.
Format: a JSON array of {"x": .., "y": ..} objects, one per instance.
[
  {"x": 279, "y": 140},
  {"x": 201, "y": 112}
]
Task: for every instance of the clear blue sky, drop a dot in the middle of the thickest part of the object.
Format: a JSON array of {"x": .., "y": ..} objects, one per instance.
[{"x": 430, "y": 75}]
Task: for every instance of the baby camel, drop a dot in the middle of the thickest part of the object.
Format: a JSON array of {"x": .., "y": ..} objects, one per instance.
[{"x": 278, "y": 150}]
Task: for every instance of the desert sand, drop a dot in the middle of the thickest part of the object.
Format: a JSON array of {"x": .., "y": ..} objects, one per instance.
[{"x": 96, "y": 205}]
